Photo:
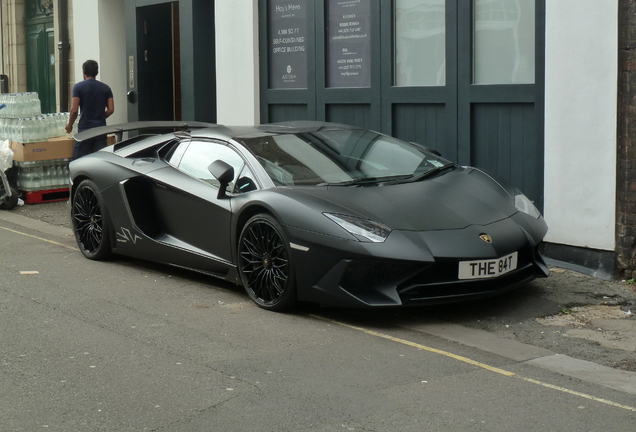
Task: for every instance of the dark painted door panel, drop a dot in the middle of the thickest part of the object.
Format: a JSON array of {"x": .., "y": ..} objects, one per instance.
[
  {"x": 192, "y": 214},
  {"x": 155, "y": 62},
  {"x": 431, "y": 99}
]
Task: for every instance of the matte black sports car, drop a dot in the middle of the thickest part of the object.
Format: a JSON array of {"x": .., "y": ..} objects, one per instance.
[{"x": 306, "y": 211}]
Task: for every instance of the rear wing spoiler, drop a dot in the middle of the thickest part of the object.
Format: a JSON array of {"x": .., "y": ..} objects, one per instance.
[{"x": 119, "y": 129}]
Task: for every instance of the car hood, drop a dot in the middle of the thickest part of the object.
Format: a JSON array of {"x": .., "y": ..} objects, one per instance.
[{"x": 451, "y": 200}]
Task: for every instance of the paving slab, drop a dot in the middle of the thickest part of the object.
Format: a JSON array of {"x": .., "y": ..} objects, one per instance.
[
  {"x": 588, "y": 371},
  {"x": 482, "y": 340}
]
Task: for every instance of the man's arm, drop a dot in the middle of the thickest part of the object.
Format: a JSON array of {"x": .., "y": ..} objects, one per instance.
[
  {"x": 73, "y": 114},
  {"x": 110, "y": 107}
]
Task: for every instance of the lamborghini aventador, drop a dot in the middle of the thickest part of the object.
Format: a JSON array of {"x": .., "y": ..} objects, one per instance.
[{"x": 305, "y": 212}]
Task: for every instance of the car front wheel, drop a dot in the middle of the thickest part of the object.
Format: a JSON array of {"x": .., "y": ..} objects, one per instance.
[
  {"x": 265, "y": 264},
  {"x": 90, "y": 221}
]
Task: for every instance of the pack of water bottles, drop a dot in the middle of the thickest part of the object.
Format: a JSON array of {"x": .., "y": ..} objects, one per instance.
[
  {"x": 42, "y": 175},
  {"x": 21, "y": 119},
  {"x": 20, "y": 105}
]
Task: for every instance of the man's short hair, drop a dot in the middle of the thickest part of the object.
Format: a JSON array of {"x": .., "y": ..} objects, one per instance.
[{"x": 90, "y": 68}]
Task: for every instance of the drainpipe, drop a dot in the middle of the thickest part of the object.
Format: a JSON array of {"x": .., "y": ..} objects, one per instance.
[
  {"x": 64, "y": 47},
  {"x": 4, "y": 80},
  {"x": 2, "y": 37}
]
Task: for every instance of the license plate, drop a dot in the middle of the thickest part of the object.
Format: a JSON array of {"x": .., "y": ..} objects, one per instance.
[{"x": 487, "y": 268}]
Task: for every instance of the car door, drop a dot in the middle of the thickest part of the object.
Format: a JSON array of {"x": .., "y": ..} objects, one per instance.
[{"x": 191, "y": 214}]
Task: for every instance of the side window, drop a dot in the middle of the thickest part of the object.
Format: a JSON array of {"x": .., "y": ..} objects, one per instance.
[
  {"x": 173, "y": 152},
  {"x": 200, "y": 154}
]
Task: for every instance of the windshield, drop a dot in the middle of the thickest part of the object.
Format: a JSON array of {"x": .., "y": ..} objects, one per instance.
[{"x": 340, "y": 156}]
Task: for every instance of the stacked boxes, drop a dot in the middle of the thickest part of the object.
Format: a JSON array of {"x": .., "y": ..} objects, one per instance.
[
  {"x": 40, "y": 157},
  {"x": 42, "y": 165}
]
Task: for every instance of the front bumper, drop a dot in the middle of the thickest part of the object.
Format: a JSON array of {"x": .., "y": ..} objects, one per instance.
[
  {"x": 413, "y": 268},
  {"x": 373, "y": 283}
]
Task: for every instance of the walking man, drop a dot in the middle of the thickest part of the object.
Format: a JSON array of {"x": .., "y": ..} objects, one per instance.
[{"x": 94, "y": 101}]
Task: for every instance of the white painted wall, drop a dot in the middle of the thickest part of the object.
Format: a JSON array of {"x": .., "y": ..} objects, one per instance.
[
  {"x": 580, "y": 122},
  {"x": 85, "y": 35},
  {"x": 237, "y": 62},
  {"x": 100, "y": 34},
  {"x": 112, "y": 50}
]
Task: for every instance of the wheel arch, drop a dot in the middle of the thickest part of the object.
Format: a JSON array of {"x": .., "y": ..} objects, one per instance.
[
  {"x": 244, "y": 216},
  {"x": 76, "y": 182},
  {"x": 290, "y": 209}
]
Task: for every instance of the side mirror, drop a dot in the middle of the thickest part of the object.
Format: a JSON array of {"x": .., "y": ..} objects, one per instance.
[{"x": 224, "y": 173}]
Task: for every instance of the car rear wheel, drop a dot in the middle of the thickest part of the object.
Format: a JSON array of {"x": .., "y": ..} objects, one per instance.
[
  {"x": 265, "y": 264},
  {"x": 90, "y": 221}
]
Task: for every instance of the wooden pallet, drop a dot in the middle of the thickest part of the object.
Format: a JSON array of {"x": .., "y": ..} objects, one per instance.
[{"x": 46, "y": 196}]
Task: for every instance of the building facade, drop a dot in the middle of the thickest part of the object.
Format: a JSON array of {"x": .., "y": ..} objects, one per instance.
[{"x": 536, "y": 91}]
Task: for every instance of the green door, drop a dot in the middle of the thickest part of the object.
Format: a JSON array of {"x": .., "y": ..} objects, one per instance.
[{"x": 40, "y": 51}]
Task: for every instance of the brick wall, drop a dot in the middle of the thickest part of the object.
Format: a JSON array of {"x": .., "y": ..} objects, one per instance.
[{"x": 626, "y": 160}]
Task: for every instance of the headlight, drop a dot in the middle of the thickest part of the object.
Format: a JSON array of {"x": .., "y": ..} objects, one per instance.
[
  {"x": 525, "y": 205},
  {"x": 363, "y": 229}
]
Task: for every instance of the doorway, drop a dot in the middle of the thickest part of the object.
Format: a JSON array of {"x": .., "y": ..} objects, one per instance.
[
  {"x": 159, "y": 62},
  {"x": 40, "y": 51}
]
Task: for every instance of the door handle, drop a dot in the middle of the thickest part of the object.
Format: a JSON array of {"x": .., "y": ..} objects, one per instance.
[{"x": 131, "y": 96}]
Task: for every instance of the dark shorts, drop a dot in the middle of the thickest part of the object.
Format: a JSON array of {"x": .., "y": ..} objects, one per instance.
[{"x": 89, "y": 146}]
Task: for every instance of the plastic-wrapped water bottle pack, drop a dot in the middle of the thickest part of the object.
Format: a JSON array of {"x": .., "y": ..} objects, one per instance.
[{"x": 21, "y": 119}]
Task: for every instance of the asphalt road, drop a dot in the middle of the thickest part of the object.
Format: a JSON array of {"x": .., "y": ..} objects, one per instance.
[{"x": 128, "y": 345}]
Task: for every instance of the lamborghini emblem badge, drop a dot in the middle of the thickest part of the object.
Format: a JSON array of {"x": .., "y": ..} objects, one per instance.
[{"x": 486, "y": 238}]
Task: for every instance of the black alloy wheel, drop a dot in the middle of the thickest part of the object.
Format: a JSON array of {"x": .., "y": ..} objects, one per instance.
[
  {"x": 90, "y": 222},
  {"x": 265, "y": 265}
]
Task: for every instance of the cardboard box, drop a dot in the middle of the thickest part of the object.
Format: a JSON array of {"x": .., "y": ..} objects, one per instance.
[{"x": 54, "y": 148}]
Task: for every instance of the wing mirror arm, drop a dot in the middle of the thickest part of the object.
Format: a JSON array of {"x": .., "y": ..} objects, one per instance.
[{"x": 224, "y": 173}]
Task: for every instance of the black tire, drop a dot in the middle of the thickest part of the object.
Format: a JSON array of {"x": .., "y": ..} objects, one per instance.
[
  {"x": 90, "y": 222},
  {"x": 265, "y": 265},
  {"x": 8, "y": 202}
]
